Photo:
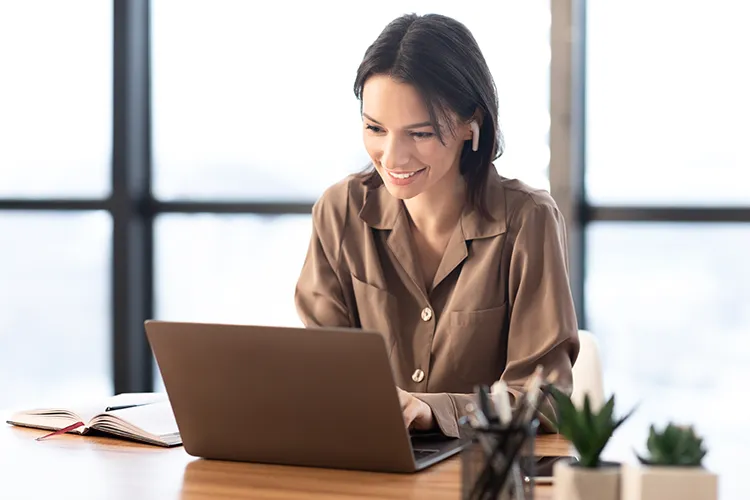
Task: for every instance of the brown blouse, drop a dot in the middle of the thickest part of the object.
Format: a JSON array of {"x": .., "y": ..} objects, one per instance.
[{"x": 500, "y": 303}]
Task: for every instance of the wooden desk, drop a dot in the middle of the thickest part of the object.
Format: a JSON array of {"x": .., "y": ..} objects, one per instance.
[{"x": 82, "y": 467}]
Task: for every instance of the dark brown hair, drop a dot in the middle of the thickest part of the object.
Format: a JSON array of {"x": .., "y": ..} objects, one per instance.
[{"x": 441, "y": 59}]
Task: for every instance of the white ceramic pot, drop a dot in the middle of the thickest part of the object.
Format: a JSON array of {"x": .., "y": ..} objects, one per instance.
[
  {"x": 641, "y": 482},
  {"x": 573, "y": 482}
]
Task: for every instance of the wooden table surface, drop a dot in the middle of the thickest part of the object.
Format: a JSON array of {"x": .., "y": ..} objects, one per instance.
[{"x": 85, "y": 467}]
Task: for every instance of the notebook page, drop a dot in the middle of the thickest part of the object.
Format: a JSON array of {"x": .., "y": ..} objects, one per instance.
[
  {"x": 86, "y": 409},
  {"x": 58, "y": 414},
  {"x": 156, "y": 419}
]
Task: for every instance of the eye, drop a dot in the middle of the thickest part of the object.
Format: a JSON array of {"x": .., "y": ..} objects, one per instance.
[
  {"x": 374, "y": 128},
  {"x": 422, "y": 135}
]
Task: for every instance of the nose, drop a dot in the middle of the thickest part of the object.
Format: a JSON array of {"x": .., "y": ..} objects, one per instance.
[{"x": 396, "y": 154}]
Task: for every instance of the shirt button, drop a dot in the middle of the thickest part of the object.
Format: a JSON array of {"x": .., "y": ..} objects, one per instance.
[
  {"x": 417, "y": 376},
  {"x": 426, "y": 314}
]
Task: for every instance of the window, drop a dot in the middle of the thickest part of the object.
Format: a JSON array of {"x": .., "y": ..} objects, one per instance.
[
  {"x": 667, "y": 110},
  {"x": 222, "y": 113},
  {"x": 55, "y": 319},
  {"x": 55, "y": 98},
  {"x": 668, "y": 217},
  {"x": 233, "y": 89},
  {"x": 668, "y": 303},
  {"x": 55, "y": 152},
  {"x": 229, "y": 268}
]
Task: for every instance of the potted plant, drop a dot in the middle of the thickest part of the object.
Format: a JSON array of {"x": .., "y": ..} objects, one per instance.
[
  {"x": 672, "y": 469},
  {"x": 589, "y": 432}
]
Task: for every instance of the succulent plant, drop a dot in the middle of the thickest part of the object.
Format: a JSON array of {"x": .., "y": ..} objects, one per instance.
[
  {"x": 588, "y": 430},
  {"x": 674, "y": 446}
]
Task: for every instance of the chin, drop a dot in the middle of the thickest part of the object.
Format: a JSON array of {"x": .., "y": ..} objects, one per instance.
[{"x": 402, "y": 193}]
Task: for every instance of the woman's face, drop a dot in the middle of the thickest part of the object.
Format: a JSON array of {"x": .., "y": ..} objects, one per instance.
[{"x": 402, "y": 143}]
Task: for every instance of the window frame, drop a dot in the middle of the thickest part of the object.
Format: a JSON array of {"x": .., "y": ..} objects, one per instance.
[
  {"x": 133, "y": 207},
  {"x": 568, "y": 158},
  {"x": 131, "y": 203}
]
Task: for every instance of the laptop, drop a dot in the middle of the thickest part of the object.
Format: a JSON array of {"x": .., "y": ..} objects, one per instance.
[{"x": 317, "y": 397}]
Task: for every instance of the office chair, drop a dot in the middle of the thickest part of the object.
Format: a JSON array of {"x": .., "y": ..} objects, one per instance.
[{"x": 587, "y": 372}]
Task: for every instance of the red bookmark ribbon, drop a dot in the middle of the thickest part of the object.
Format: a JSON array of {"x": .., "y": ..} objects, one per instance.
[{"x": 62, "y": 431}]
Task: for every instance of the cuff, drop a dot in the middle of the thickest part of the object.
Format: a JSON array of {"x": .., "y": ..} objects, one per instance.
[
  {"x": 548, "y": 416},
  {"x": 444, "y": 411}
]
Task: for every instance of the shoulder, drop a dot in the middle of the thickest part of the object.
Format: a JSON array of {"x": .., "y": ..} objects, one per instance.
[
  {"x": 519, "y": 203},
  {"x": 338, "y": 200},
  {"x": 339, "y": 203}
]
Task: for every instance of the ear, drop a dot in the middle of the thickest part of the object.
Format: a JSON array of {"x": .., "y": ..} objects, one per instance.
[{"x": 472, "y": 131}]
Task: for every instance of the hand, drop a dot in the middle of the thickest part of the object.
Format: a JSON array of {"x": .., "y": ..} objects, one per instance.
[{"x": 417, "y": 414}]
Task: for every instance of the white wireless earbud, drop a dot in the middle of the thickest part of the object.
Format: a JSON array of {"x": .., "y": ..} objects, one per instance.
[{"x": 474, "y": 135}]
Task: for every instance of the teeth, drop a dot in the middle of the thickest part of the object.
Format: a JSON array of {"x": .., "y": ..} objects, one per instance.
[{"x": 403, "y": 176}]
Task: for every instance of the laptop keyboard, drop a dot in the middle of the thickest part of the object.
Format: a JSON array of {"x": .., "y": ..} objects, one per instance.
[{"x": 421, "y": 454}]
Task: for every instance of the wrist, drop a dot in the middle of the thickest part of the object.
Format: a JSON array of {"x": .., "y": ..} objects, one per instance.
[{"x": 429, "y": 416}]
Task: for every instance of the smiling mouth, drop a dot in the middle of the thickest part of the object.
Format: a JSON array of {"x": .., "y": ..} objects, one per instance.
[{"x": 404, "y": 175}]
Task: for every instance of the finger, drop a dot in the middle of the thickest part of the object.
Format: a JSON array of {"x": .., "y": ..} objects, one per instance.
[
  {"x": 408, "y": 418},
  {"x": 410, "y": 414},
  {"x": 421, "y": 419},
  {"x": 404, "y": 398}
]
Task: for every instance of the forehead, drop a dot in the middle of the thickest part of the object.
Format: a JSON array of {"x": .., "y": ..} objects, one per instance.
[{"x": 393, "y": 103}]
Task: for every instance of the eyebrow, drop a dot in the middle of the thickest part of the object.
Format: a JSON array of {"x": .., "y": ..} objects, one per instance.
[{"x": 413, "y": 125}]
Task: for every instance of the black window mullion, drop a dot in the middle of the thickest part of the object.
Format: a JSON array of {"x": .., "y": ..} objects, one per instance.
[
  {"x": 232, "y": 207},
  {"x": 54, "y": 204},
  {"x": 132, "y": 269},
  {"x": 708, "y": 214}
]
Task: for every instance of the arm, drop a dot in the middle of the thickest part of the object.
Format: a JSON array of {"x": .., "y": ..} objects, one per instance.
[
  {"x": 318, "y": 296},
  {"x": 542, "y": 329}
]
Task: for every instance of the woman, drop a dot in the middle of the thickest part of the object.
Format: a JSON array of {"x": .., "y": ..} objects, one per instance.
[{"x": 464, "y": 272}]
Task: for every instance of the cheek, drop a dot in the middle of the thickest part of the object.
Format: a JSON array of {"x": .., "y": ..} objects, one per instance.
[
  {"x": 373, "y": 145},
  {"x": 433, "y": 153}
]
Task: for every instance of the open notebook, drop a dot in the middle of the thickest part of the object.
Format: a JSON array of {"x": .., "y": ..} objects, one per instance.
[{"x": 145, "y": 417}]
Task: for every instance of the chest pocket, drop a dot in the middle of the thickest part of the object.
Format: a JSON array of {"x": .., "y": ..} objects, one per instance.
[
  {"x": 477, "y": 344},
  {"x": 377, "y": 310}
]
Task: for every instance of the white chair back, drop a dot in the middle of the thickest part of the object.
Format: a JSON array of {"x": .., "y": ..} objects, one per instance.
[{"x": 587, "y": 372}]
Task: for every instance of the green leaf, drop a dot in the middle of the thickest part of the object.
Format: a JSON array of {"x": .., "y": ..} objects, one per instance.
[
  {"x": 588, "y": 430},
  {"x": 674, "y": 446},
  {"x": 607, "y": 410},
  {"x": 624, "y": 418},
  {"x": 587, "y": 412}
]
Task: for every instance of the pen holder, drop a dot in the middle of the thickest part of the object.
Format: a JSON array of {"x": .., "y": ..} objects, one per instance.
[{"x": 497, "y": 463}]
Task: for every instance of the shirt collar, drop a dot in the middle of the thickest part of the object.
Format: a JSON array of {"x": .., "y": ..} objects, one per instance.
[{"x": 381, "y": 210}]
